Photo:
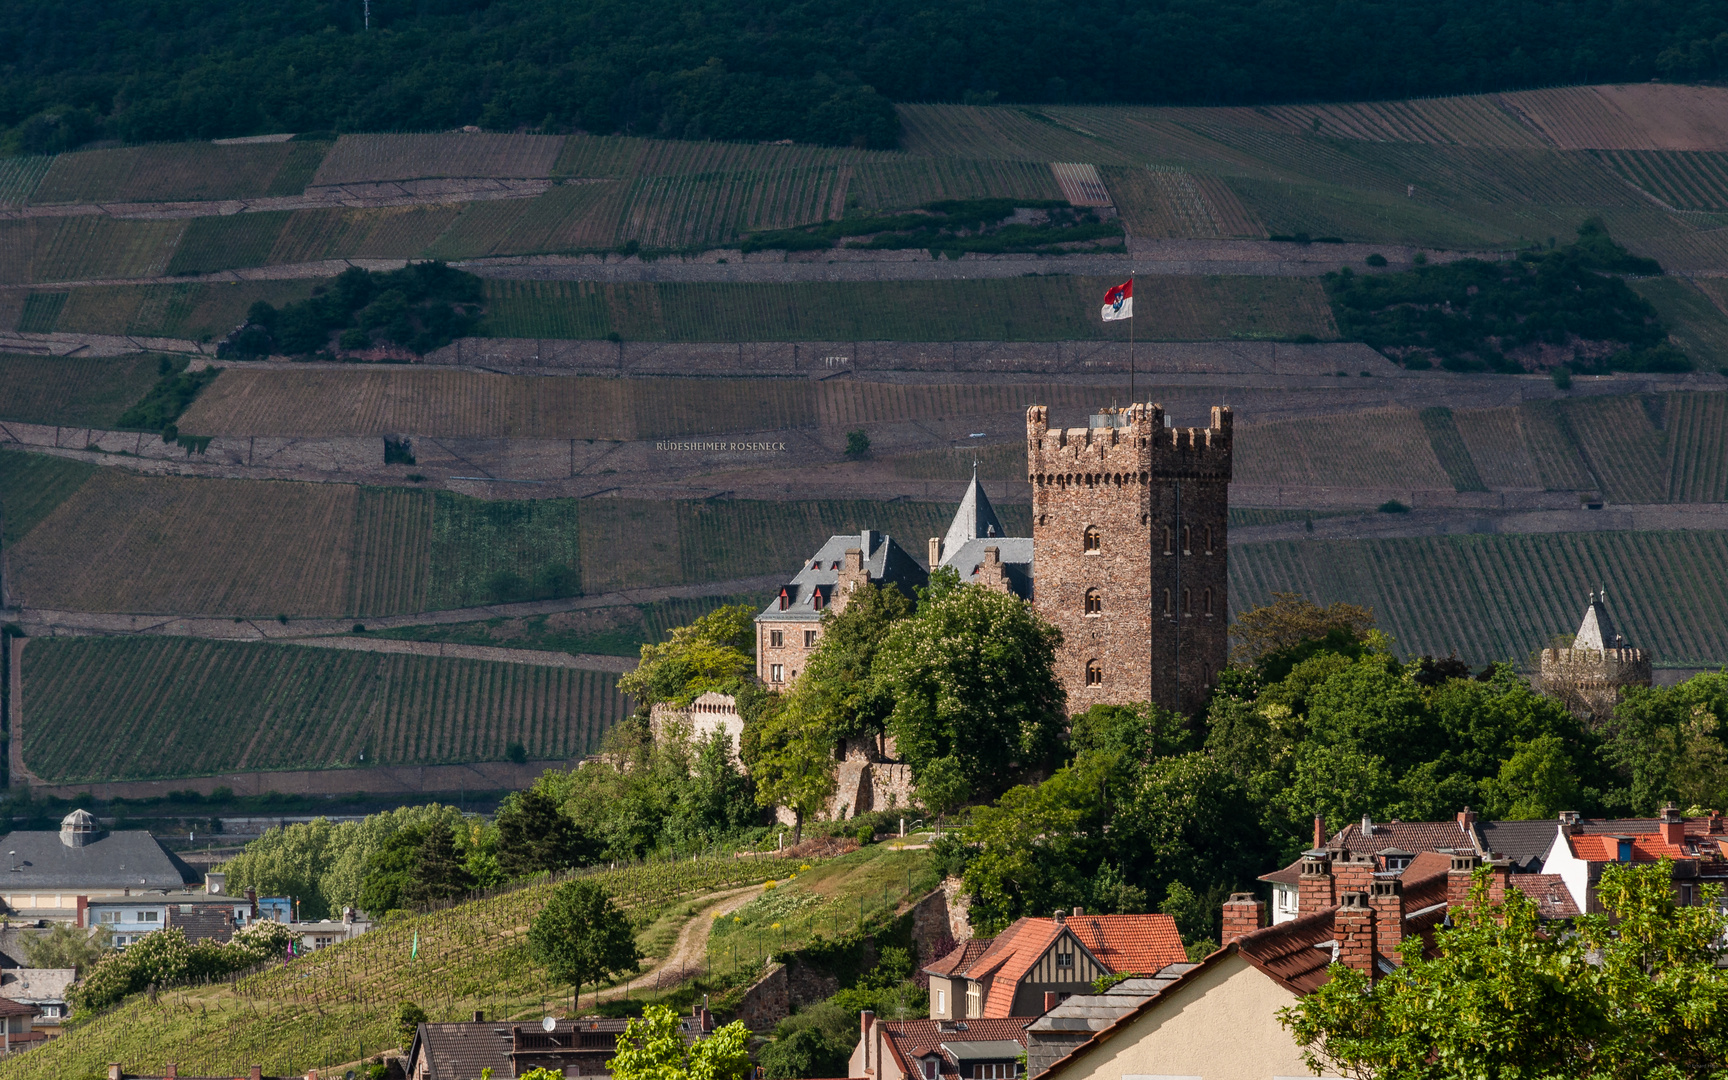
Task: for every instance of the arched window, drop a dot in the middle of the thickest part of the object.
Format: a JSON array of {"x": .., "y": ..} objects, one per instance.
[
  {"x": 1208, "y": 539},
  {"x": 1091, "y": 542},
  {"x": 1167, "y": 611},
  {"x": 1206, "y": 601},
  {"x": 1168, "y": 537},
  {"x": 1187, "y": 539},
  {"x": 1187, "y": 601},
  {"x": 1094, "y": 673},
  {"x": 1094, "y": 602}
]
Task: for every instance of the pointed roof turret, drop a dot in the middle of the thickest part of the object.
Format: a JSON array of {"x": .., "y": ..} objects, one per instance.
[
  {"x": 1597, "y": 630},
  {"x": 975, "y": 520}
]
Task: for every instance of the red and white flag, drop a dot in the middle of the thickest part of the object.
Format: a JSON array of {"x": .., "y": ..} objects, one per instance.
[{"x": 1119, "y": 302}]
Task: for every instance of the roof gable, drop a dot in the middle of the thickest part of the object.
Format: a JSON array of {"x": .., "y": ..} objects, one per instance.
[{"x": 975, "y": 519}]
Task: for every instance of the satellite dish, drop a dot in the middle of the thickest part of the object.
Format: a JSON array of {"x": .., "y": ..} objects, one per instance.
[{"x": 548, "y": 1024}]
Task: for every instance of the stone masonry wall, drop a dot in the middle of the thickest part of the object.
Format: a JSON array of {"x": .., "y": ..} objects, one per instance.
[{"x": 1158, "y": 499}]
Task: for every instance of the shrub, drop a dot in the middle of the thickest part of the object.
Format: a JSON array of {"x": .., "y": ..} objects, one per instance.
[
  {"x": 1393, "y": 506},
  {"x": 1562, "y": 378},
  {"x": 857, "y": 444},
  {"x": 1375, "y": 259}
]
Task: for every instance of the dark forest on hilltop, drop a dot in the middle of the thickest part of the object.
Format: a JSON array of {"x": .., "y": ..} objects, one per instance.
[{"x": 811, "y": 70}]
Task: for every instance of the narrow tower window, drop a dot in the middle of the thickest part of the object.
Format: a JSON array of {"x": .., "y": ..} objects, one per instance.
[
  {"x": 1206, "y": 601},
  {"x": 1167, "y": 611},
  {"x": 1208, "y": 539},
  {"x": 1167, "y": 539},
  {"x": 1094, "y": 673},
  {"x": 1187, "y": 539},
  {"x": 1091, "y": 541},
  {"x": 1094, "y": 602},
  {"x": 1187, "y": 601}
]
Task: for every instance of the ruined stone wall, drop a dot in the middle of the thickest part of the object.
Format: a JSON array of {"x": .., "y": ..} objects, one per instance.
[{"x": 1136, "y": 519}]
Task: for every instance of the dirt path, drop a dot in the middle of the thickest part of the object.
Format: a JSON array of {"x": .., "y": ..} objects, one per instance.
[{"x": 688, "y": 956}]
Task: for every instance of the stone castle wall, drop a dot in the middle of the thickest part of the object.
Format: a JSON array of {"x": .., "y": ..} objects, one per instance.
[
  {"x": 1591, "y": 681},
  {"x": 1158, "y": 499}
]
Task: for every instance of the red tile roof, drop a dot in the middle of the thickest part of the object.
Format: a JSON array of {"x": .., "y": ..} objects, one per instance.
[
  {"x": 1141, "y": 944},
  {"x": 1553, "y": 898},
  {"x": 963, "y": 957},
  {"x": 1606, "y": 848},
  {"x": 909, "y": 1040}
]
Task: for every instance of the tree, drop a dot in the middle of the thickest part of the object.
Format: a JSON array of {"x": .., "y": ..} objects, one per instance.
[
  {"x": 1633, "y": 992},
  {"x": 535, "y": 836},
  {"x": 973, "y": 677},
  {"x": 817, "y": 1040},
  {"x": 581, "y": 937},
  {"x": 652, "y": 1048},
  {"x": 793, "y": 754},
  {"x": 1291, "y": 619},
  {"x": 408, "y": 1020},
  {"x": 712, "y": 653},
  {"x": 438, "y": 873},
  {"x": 66, "y": 946},
  {"x": 389, "y": 871}
]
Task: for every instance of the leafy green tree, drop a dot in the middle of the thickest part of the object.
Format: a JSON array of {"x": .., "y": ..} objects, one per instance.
[
  {"x": 1291, "y": 620},
  {"x": 63, "y": 945},
  {"x": 390, "y": 870},
  {"x": 1670, "y": 744},
  {"x": 652, "y": 1048},
  {"x": 793, "y": 755},
  {"x": 1634, "y": 992},
  {"x": 438, "y": 870},
  {"x": 581, "y": 937},
  {"x": 408, "y": 1020},
  {"x": 1536, "y": 782},
  {"x": 712, "y": 653},
  {"x": 719, "y": 799},
  {"x": 535, "y": 836},
  {"x": 973, "y": 677},
  {"x": 817, "y": 1040}
]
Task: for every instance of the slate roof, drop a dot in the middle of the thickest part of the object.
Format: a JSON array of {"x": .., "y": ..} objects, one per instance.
[
  {"x": 1524, "y": 842},
  {"x": 1412, "y": 836},
  {"x": 1597, "y": 630},
  {"x": 132, "y": 859},
  {"x": 974, "y": 519},
  {"x": 201, "y": 921},
  {"x": 1095, "y": 1012},
  {"x": 886, "y": 561},
  {"x": 1553, "y": 898},
  {"x": 1017, "y": 561},
  {"x": 911, "y": 1040},
  {"x": 460, "y": 1051},
  {"x": 37, "y": 984}
]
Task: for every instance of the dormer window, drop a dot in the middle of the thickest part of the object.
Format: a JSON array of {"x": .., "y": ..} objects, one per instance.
[
  {"x": 816, "y": 599},
  {"x": 835, "y": 565},
  {"x": 1623, "y": 850},
  {"x": 932, "y": 1066},
  {"x": 785, "y": 599}
]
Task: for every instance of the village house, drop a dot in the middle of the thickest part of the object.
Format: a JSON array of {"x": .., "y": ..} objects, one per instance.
[
  {"x": 55, "y": 875},
  {"x": 1557, "y": 863},
  {"x": 578, "y": 1047},
  {"x": 1036, "y": 963},
  {"x": 1064, "y": 1027},
  {"x": 44, "y": 989},
  {"x": 938, "y": 1049}
]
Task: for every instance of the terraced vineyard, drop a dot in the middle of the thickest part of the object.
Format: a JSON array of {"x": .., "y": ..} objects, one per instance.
[
  {"x": 73, "y": 391},
  {"x": 358, "y": 159},
  {"x": 620, "y": 630},
  {"x": 84, "y": 248},
  {"x": 200, "y": 312},
  {"x": 148, "y": 708},
  {"x": 31, "y": 486},
  {"x": 1501, "y": 597},
  {"x": 1012, "y": 309},
  {"x": 1374, "y": 449},
  {"x": 180, "y": 172}
]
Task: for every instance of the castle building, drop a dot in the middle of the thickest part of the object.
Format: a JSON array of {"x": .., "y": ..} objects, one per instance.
[
  {"x": 789, "y": 627},
  {"x": 976, "y": 547},
  {"x": 1591, "y": 676},
  {"x": 1130, "y": 521}
]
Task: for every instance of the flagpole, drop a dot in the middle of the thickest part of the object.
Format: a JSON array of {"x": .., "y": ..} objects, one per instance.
[{"x": 1130, "y": 344}]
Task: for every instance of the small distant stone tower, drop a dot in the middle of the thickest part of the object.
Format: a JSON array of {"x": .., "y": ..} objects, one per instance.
[
  {"x": 1590, "y": 676},
  {"x": 1130, "y": 521}
]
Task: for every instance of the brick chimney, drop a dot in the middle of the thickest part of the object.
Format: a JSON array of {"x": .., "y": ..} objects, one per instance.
[
  {"x": 1354, "y": 872},
  {"x": 1244, "y": 913},
  {"x": 257, "y": 1072},
  {"x": 1499, "y": 878},
  {"x": 1314, "y": 889},
  {"x": 1569, "y": 822},
  {"x": 1386, "y": 897},
  {"x": 114, "y": 1072},
  {"x": 1319, "y": 832},
  {"x": 1715, "y": 823},
  {"x": 935, "y": 552},
  {"x": 1458, "y": 878},
  {"x": 866, "y": 1021},
  {"x": 1467, "y": 824},
  {"x": 172, "y": 1072},
  {"x": 1049, "y": 1000},
  {"x": 1673, "y": 825},
  {"x": 1353, "y": 933}
]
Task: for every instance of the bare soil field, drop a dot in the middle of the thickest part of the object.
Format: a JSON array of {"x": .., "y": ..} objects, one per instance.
[{"x": 1634, "y": 116}]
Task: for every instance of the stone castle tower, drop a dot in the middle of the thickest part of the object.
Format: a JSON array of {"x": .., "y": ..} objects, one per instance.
[
  {"x": 1590, "y": 676},
  {"x": 1130, "y": 520}
]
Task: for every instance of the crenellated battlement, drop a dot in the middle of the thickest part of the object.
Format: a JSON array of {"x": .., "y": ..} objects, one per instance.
[{"x": 1130, "y": 445}]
